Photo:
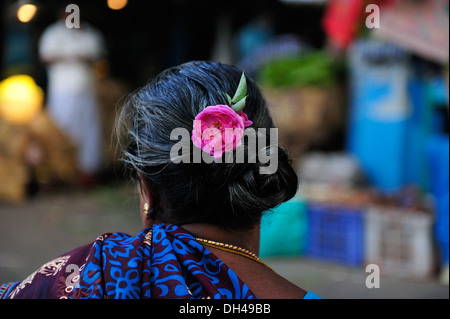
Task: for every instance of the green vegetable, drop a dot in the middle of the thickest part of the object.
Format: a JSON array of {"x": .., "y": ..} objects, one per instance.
[{"x": 309, "y": 69}]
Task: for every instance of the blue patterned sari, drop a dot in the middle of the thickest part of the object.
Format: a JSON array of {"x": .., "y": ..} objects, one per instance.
[{"x": 164, "y": 262}]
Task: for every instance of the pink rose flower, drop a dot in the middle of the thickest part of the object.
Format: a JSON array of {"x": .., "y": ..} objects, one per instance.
[{"x": 219, "y": 129}]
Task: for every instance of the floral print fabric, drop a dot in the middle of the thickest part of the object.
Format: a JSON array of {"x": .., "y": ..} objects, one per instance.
[{"x": 162, "y": 262}]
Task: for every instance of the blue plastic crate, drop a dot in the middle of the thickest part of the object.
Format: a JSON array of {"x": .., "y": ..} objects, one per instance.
[{"x": 336, "y": 233}]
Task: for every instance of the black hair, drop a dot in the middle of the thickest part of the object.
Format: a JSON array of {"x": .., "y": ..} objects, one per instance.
[{"x": 230, "y": 194}]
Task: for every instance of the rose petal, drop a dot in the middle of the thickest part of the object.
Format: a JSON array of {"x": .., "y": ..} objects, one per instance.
[{"x": 218, "y": 129}]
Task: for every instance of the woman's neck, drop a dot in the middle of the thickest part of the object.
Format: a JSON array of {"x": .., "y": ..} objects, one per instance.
[{"x": 247, "y": 239}]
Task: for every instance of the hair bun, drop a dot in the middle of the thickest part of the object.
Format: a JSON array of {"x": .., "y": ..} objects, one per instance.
[{"x": 253, "y": 192}]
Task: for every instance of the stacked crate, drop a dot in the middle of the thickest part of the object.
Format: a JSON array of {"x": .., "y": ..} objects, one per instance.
[
  {"x": 399, "y": 241},
  {"x": 336, "y": 233}
]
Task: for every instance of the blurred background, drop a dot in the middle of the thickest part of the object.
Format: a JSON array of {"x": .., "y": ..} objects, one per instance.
[{"x": 358, "y": 89}]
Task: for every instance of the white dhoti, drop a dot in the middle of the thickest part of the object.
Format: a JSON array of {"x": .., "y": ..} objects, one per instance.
[{"x": 77, "y": 115}]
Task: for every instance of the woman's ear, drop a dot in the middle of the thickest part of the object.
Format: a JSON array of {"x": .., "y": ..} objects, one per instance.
[
  {"x": 144, "y": 189},
  {"x": 146, "y": 203}
]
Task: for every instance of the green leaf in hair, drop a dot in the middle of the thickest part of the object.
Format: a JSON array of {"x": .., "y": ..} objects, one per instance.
[
  {"x": 241, "y": 90},
  {"x": 228, "y": 98},
  {"x": 239, "y": 106}
]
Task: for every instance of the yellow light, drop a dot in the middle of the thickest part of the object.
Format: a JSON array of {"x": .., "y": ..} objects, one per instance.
[
  {"x": 117, "y": 4},
  {"x": 26, "y": 12},
  {"x": 20, "y": 99}
]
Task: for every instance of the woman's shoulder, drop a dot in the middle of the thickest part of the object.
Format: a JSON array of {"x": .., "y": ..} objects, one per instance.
[
  {"x": 263, "y": 281},
  {"x": 275, "y": 286},
  {"x": 279, "y": 287}
]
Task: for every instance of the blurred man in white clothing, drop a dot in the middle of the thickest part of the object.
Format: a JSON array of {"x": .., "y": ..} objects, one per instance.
[{"x": 72, "y": 102}]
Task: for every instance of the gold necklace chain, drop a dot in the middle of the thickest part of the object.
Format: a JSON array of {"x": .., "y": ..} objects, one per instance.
[{"x": 233, "y": 249}]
